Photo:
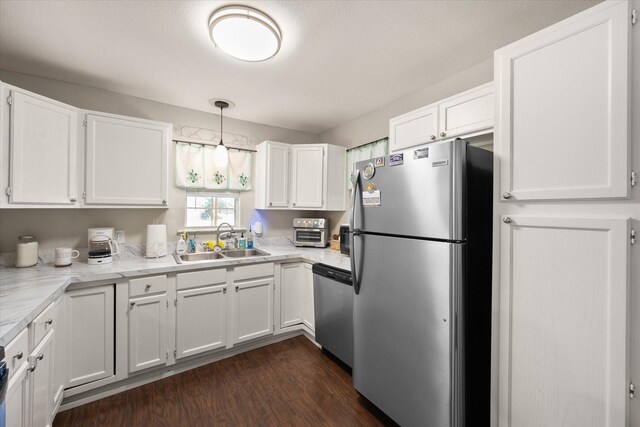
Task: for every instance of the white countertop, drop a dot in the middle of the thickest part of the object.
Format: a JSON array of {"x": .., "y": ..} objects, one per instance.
[{"x": 25, "y": 292}]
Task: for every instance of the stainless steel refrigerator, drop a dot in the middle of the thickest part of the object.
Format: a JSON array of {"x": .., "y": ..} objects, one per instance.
[{"x": 421, "y": 266}]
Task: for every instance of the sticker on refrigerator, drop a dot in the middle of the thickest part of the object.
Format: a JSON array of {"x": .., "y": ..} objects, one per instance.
[
  {"x": 371, "y": 199},
  {"x": 421, "y": 153},
  {"x": 396, "y": 159},
  {"x": 379, "y": 162},
  {"x": 439, "y": 163}
]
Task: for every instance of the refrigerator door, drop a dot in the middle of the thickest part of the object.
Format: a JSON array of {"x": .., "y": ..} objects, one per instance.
[
  {"x": 403, "y": 350},
  {"x": 422, "y": 196}
]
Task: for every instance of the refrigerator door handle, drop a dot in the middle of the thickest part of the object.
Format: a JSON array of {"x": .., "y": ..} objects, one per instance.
[{"x": 353, "y": 233}]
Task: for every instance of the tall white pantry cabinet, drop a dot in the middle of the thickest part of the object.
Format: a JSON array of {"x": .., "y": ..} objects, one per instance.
[{"x": 566, "y": 321}]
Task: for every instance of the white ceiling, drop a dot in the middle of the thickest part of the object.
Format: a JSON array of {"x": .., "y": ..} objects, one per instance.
[{"x": 339, "y": 59}]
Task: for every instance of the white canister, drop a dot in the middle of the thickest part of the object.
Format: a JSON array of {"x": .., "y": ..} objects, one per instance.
[{"x": 26, "y": 251}]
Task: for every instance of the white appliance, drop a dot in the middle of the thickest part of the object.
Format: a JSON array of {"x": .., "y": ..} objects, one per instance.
[{"x": 102, "y": 247}]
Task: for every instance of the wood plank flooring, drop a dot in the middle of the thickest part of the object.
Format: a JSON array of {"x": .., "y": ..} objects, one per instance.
[{"x": 290, "y": 383}]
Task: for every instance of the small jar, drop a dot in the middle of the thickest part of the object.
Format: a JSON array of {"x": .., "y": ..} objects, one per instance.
[{"x": 26, "y": 251}]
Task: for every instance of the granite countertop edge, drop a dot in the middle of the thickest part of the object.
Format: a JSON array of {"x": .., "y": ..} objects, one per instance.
[{"x": 24, "y": 293}]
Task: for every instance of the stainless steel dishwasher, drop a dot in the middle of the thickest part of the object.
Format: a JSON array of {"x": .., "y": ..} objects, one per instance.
[{"x": 333, "y": 303}]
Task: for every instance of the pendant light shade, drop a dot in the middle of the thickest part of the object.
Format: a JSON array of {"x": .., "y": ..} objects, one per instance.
[{"x": 221, "y": 157}]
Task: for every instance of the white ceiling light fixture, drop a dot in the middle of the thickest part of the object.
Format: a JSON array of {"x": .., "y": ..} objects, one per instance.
[
  {"x": 245, "y": 33},
  {"x": 221, "y": 157}
]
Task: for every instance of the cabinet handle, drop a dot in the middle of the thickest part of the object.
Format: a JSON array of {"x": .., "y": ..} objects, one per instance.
[
  {"x": 132, "y": 303},
  {"x": 73, "y": 200},
  {"x": 506, "y": 220},
  {"x": 32, "y": 368},
  {"x": 432, "y": 137},
  {"x": 270, "y": 203},
  {"x": 293, "y": 204},
  {"x": 40, "y": 356},
  {"x": 49, "y": 322},
  {"x": 224, "y": 290},
  {"x": 18, "y": 355},
  {"x": 164, "y": 202},
  {"x": 237, "y": 288},
  {"x": 506, "y": 195},
  {"x": 442, "y": 134},
  {"x": 146, "y": 288}
]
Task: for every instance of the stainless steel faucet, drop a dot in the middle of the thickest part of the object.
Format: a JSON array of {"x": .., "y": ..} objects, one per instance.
[{"x": 218, "y": 230}]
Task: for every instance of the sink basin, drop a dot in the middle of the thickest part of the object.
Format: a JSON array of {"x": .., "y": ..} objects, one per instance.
[
  {"x": 242, "y": 253},
  {"x": 199, "y": 256}
]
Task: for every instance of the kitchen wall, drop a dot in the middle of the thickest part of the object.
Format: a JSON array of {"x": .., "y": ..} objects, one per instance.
[
  {"x": 375, "y": 124},
  {"x": 58, "y": 227}
]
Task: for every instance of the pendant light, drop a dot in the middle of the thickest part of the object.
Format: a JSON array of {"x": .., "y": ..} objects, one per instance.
[{"x": 221, "y": 156}]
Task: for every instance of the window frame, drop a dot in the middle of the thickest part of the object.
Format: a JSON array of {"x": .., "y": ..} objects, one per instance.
[{"x": 194, "y": 192}]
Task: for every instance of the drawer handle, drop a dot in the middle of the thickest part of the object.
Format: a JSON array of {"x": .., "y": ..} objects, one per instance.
[
  {"x": 18, "y": 355},
  {"x": 146, "y": 288},
  {"x": 49, "y": 322},
  {"x": 224, "y": 290},
  {"x": 506, "y": 196},
  {"x": 32, "y": 368},
  {"x": 40, "y": 356},
  {"x": 237, "y": 288},
  {"x": 132, "y": 303}
]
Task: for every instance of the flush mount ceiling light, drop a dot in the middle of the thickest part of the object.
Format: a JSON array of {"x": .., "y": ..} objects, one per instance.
[{"x": 245, "y": 33}]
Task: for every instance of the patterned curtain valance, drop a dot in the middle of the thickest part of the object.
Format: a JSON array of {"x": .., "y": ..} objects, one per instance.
[
  {"x": 364, "y": 152},
  {"x": 195, "y": 168}
]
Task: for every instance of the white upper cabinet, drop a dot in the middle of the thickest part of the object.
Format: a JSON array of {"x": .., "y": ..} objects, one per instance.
[
  {"x": 300, "y": 176},
  {"x": 43, "y": 138},
  {"x": 414, "y": 128},
  {"x": 563, "y": 108},
  {"x": 307, "y": 176},
  {"x": 126, "y": 161},
  {"x": 467, "y": 114}
]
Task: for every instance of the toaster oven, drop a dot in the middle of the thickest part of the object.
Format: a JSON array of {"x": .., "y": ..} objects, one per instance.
[{"x": 312, "y": 232}]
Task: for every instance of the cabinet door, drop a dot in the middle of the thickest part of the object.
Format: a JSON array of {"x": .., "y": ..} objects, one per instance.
[
  {"x": 126, "y": 161},
  {"x": 468, "y": 113},
  {"x": 58, "y": 354},
  {"x": 201, "y": 321},
  {"x": 308, "y": 311},
  {"x": 253, "y": 309},
  {"x": 307, "y": 176},
  {"x": 290, "y": 294},
  {"x": 414, "y": 128},
  {"x": 43, "y": 139},
  {"x": 89, "y": 334},
  {"x": 41, "y": 360},
  {"x": 563, "y": 322},
  {"x": 147, "y": 332},
  {"x": 17, "y": 398},
  {"x": 277, "y": 175},
  {"x": 563, "y": 108}
]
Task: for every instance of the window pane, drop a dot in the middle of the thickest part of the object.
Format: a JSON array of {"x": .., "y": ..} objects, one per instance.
[
  {"x": 203, "y": 202},
  {"x": 191, "y": 201},
  {"x": 226, "y": 215},
  {"x": 226, "y": 202},
  {"x": 198, "y": 218}
]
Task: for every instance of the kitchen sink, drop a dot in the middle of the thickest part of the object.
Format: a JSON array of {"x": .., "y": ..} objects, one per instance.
[
  {"x": 242, "y": 253},
  {"x": 198, "y": 256},
  {"x": 210, "y": 256}
]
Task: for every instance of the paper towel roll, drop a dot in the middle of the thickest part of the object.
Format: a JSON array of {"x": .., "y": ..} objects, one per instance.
[
  {"x": 156, "y": 240},
  {"x": 257, "y": 228}
]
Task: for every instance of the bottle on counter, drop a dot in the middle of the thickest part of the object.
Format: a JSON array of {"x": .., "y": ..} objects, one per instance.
[
  {"x": 26, "y": 251},
  {"x": 249, "y": 239}
]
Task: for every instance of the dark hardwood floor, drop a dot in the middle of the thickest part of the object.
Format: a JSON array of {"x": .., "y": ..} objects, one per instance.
[{"x": 290, "y": 383}]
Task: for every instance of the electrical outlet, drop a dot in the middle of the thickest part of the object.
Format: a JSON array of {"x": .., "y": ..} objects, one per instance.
[{"x": 120, "y": 236}]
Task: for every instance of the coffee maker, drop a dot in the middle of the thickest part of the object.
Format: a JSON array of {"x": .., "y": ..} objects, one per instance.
[{"x": 102, "y": 247}]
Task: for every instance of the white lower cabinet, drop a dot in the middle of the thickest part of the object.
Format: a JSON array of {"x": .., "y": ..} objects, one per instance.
[
  {"x": 89, "y": 335},
  {"x": 17, "y": 398},
  {"x": 147, "y": 331},
  {"x": 40, "y": 372},
  {"x": 201, "y": 311},
  {"x": 563, "y": 333},
  {"x": 252, "y": 302},
  {"x": 296, "y": 295}
]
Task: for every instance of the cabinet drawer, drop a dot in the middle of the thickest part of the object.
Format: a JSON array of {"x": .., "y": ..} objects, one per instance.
[
  {"x": 201, "y": 278},
  {"x": 42, "y": 324},
  {"x": 252, "y": 271},
  {"x": 147, "y": 286},
  {"x": 17, "y": 351}
]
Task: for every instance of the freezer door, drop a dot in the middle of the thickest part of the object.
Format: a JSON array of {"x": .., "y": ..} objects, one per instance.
[
  {"x": 422, "y": 196},
  {"x": 403, "y": 354}
]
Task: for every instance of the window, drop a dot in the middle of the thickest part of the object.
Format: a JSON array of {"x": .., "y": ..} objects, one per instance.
[{"x": 208, "y": 209}]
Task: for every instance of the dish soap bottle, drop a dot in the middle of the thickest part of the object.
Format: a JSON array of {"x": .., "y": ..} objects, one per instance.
[
  {"x": 181, "y": 246},
  {"x": 250, "y": 239},
  {"x": 242, "y": 242}
]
